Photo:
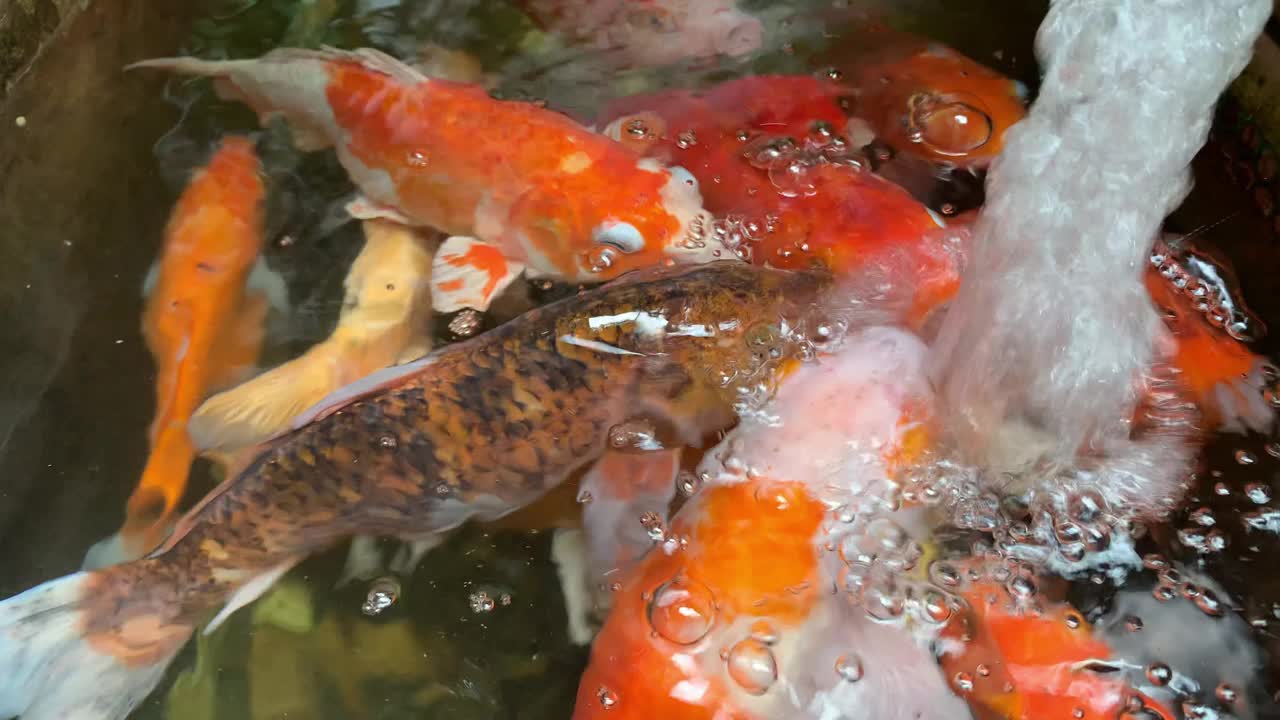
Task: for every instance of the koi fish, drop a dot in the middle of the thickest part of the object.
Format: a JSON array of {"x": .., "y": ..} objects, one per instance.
[
  {"x": 749, "y": 627},
  {"x": 1209, "y": 325},
  {"x": 651, "y": 32},
  {"x": 202, "y": 326},
  {"x": 385, "y": 321},
  {"x": 475, "y": 430},
  {"x": 518, "y": 188},
  {"x": 1017, "y": 662},
  {"x": 771, "y": 154},
  {"x": 704, "y": 628},
  {"x": 933, "y": 103}
]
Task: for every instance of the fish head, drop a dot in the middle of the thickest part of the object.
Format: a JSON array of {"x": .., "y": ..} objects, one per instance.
[
  {"x": 661, "y": 221},
  {"x": 941, "y": 105}
]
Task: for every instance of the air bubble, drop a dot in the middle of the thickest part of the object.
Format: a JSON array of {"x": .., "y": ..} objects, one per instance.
[
  {"x": 607, "y": 698},
  {"x": 383, "y": 593},
  {"x": 752, "y": 666},
  {"x": 1226, "y": 694},
  {"x": 1259, "y": 493},
  {"x": 481, "y": 602},
  {"x": 1244, "y": 457},
  {"x": 634, "y": 434},
  {"x": 849, "y": 668},
  {"x": 601, "y": 258},
  {"x": 1159, "y": 674},
  {"x": 682, "y": 611}
]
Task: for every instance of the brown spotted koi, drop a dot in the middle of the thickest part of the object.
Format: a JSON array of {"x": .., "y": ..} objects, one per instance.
[
  {"x": 518, "y": 187},
  {"x": 475, "y": 430}
]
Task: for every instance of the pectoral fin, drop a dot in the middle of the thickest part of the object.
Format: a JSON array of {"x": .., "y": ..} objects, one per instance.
[{"x": 468, "y": 273}]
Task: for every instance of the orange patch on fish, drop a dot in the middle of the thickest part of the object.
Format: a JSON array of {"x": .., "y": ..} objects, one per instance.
[
  {"x": 485, "y": 258},
  {"x": 747, "y": 550}
]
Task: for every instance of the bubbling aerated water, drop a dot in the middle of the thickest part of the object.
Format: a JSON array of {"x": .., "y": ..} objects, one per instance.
[{"x": 1053, "y": 327}]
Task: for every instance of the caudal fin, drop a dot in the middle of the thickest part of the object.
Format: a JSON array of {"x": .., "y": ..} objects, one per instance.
[{"x": 49, "y": 669}]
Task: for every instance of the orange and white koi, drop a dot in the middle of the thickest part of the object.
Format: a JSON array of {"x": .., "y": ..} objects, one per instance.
[
  {"x": 519, "y": 188},
  {"x": 651, "y": 32},
  {"x": 202, "y": 326},
  {"x": 732, "y": 616}
]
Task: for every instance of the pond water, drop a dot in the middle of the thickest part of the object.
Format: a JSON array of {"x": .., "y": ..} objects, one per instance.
[{"x": 89, "y": 169}]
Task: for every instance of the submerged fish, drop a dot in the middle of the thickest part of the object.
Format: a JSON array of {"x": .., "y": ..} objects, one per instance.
[
  {"x": 475, "y": 430},
  {"x": 771, "y": 156},
  {"x": 737, "y": 612},
  {"x": 517, "y": 186},
  {"x": 1017, "y": 660},
  {"x": 1209, "y": 326},
  {"x": 651, "y": 32},
  {"x": 933, "y": 103},
  {"x": 202, "y": 326},
  {"x": 734, "y": 615},
  {"x": 385, "y": 321}
]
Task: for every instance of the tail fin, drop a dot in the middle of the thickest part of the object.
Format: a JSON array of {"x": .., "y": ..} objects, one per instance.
[{"x": 50, "y": 669}]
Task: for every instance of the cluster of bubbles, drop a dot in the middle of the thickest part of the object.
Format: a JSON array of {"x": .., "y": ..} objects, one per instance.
[
  {"x": 1203, "y": 283},
  {"x": 789, "y": 162}
]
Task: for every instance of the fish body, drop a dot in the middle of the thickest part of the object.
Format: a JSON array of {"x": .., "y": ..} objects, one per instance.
[
  {"x": 385, "y": 321},
  {"x": 733, "y": 616},
  {"x": 642, "y": 33},
  {"x": 517, "y": 187},
  {"x": 475, "y": 430},
  {"x": 771, "y": 154},
  {"x": 201, "y": 325},
  {"x": 789, "y": 618},
  {"x": 1209, "y": 326},
  {"x": 1043, "y": 662}
]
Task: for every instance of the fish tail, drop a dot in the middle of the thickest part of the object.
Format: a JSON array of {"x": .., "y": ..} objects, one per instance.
[{"x": 52, "y": 666}]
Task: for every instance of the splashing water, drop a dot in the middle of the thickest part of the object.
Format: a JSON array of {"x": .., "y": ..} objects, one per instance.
[{"x": 1045, "y": 346}]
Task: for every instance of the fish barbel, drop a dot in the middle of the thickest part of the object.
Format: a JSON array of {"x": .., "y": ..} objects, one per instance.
[{"x": 475, "y": 430}]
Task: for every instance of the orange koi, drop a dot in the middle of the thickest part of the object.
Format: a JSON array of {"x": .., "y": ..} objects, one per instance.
[
  {"x": 1020, "y": 663},
  {"x": 519, "y": 188},
  {"x": 934, "y": 103},
  {"x": 732, "y": 616},
  {"x": 771, "y": 154},
  {"x": 651, "y": 32},
  {"x": 1210, "y": 326},
  {"x": 202, "y": 327},
  {"x": 749, "y": 628}
]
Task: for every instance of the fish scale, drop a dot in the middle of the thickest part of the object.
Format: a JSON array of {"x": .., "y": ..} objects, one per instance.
[{"x": 478, "y": 429}]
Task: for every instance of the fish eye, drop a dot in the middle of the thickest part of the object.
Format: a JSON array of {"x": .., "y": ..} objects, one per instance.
[
  {"x": 684, "y": 177},
  {"x": 621, "y": 235}
]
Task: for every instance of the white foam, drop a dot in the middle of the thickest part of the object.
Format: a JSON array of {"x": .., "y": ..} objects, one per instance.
[{"x": 1053, "y": 327}]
